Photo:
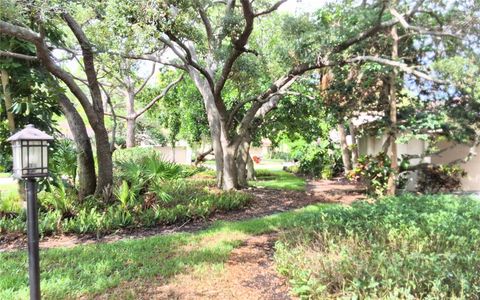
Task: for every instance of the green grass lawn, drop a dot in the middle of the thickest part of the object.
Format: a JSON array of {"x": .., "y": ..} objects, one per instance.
[
  {"x": 269, "y": 177},
  {"x": 5, "y": 175},
  {"x": 9, "y": 200},
  {"x": 278, "y": 179},
  {"x": 92, "y": 269}
]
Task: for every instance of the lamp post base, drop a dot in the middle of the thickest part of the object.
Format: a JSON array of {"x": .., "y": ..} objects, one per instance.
[{"x": 33, "y": 239}]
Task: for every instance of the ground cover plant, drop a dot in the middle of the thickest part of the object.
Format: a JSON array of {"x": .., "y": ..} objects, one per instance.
[
  {"x": 148, "y": 191},
  {"x": 408, "y": 247}
]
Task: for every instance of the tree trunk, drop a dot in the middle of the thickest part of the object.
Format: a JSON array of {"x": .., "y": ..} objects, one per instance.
[
  {"x": 250, "y": 168},
  {"x": 131, "y": 119},
  {"x": 347, "y": 165},
  {"x": 8, "y": 100},
  {"x": 354, "y": 148},
  {"x": 245, "y": 169},
  {"x": 392, "y": 180},
  {"x": 242, "y": 161},
  {"x": 130, "y": 139},
  {"x": 85, "y": 160},
  {"x": 218, "y": 151},
  {"x": 7, "y": 96},
  {"x": 229, "y": 149},
  {"x": 229, "y": 178},
  {"x": 104, "y": 160}
]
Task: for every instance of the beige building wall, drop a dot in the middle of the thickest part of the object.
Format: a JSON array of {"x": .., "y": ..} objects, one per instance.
[
  {"x": 472, "y": 181},
  {"x": 371, "y": 145},
  {"x": 180, "y": 155}
]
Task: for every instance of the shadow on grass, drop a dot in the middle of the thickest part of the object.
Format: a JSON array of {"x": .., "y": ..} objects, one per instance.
[{"x": 93, "y": 269}]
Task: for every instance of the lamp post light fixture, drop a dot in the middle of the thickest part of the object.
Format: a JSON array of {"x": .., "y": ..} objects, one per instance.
[{"x": 30, "y": 161}]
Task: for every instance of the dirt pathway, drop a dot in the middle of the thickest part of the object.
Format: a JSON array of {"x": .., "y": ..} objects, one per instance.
[
  {"x": 249, "y": 274},
  {"x": 337, "y": 190}
]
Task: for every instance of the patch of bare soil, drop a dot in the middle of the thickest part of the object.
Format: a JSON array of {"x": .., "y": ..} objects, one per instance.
[
  {"x": 249, "y": 273},
  {"x": 337, "y": 190}
]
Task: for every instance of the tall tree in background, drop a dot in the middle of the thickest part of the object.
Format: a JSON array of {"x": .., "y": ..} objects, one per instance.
[
  {"x": 210, "y": 57},
  {"x": 91, "y": 102}
]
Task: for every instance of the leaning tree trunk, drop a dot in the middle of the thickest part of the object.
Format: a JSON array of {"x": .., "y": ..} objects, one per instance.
[
  {"x": 201, "y": 157},
  {"x": 85, "y": 160},
  {"x": 347, "y": 165}
]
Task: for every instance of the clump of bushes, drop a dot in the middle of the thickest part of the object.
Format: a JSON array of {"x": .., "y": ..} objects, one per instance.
[
  {"x": 373, "y": 171},
  {"x": 321, "y": 159},
  {"x": 407, "y": 247},
  {"x": 440, "y": 179},
  {"x": 147, "y": 192}
]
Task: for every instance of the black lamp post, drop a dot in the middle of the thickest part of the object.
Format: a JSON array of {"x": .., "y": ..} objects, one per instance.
[{"x": 30, "y": 161}]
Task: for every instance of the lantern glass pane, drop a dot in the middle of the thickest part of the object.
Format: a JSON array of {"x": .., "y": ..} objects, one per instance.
[
  {"x": 45, "y": 156},
  {"x": 35, "y": 157},
  {"x": 17, "y": 158}
]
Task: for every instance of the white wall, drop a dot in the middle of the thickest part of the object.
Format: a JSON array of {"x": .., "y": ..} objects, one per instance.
[{"x": 180, "y": 155}]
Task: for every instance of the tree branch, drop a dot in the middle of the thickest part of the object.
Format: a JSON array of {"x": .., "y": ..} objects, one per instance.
[
  {"x": 20, "y": 32},
  {"x": 238, "y": 48},
  {"x": 155, "y": 100},
  {"x": 420, "y": 30},
  {"x": 271, "y": 9},
  {"x": 207, "y": 24},
  {"x": 88, "y": 61},
  {"x": 189, "y": 59},
  {"x": 153, "y": 58},
  {"x": 145, "y": 81},
  {"x": 18, "y": 56},
  {"x": 402, "y": 66}
]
